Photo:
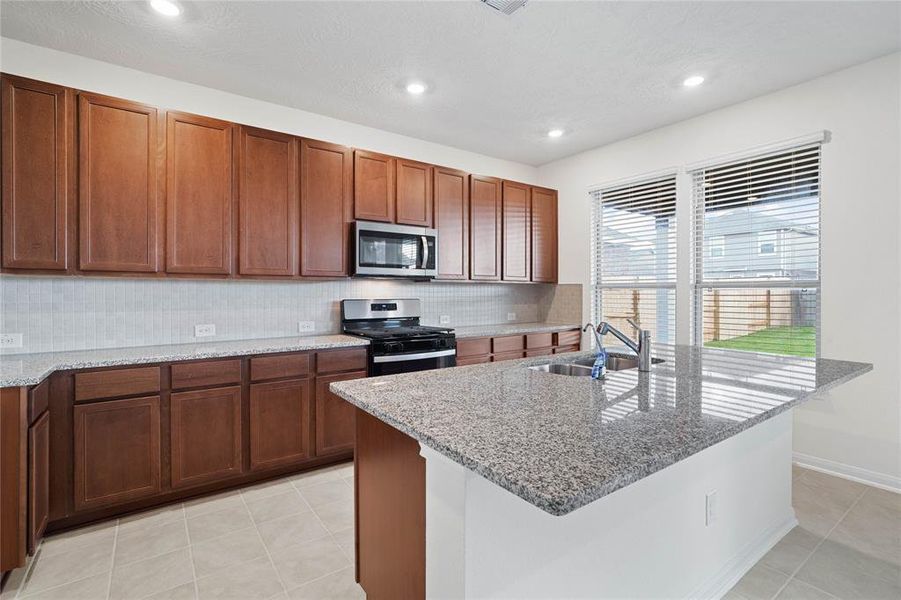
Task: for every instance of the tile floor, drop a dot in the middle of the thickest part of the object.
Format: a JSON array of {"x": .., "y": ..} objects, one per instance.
[{"x": 293, "y": 538}]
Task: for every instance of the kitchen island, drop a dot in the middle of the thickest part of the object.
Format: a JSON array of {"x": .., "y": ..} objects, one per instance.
[{"x": 500, "y": 481}]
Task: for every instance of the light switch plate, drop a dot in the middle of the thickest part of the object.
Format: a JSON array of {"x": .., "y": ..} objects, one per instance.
[
  {"x": 444, "y": 320},
  {"x": 710, "y": 508},
  {"x": 10, "y": 340},
  {"x": 205, "y": 330},
  {"x": 511, "y": 316},
  {"x": 306, "y": 326}
]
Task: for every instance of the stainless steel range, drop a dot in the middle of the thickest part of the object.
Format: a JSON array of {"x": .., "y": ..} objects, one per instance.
[{"x": 398, "y": 343}]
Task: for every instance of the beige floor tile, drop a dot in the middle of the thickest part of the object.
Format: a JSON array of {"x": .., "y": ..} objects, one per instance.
[
  {"x": 798, "y": 590},
  {"x": 287, "y": 531},
  {"x": 345, "y": 470},
  {"x": 328, "y": 492},
  {"x": 345, "y": 540},
  {"x": 152, "y": 518},
  {"x": 336, "y": 516},
  {"x": 220, "y": 522},
  {"x": 58, "y": 569},
  {"x": 185, "y": 591},
  {"x": 208, "y": 504},
  {"x": 230, "y": 549},
  {"x": 94, "y": 587},
  {"x": 13, "y": 583},
  {"x": 277, "y": 506},
  {"x": 266, "y": 489},
  {"x": 151, "y": 575},
  {"x": 315, "y": 477},
  {"x": 248, "y": 581},
  {"x": 791, "y": 551},
  {"x": 138, "y": 544},
  {"x": 302, "y": 563},
  {"x": 819, "y": 505},
  {"x": 336, "y": 586},
  {"x": 848, "y": 573},
  {"x": 873, "y": 526},
  {"x": 77, "y": 538},
  {"x": 760, "y": 583}
]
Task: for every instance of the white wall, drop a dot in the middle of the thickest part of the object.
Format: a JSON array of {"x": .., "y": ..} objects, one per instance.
[
  {"x": 857, "y": 428},
  {"x": 36, "y": 62}
]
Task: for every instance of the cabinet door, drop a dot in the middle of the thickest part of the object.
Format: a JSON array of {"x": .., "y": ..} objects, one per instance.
[
  {"x": 38, "y": 479},
  {"x": 280, "y": 423},
  {"x": 267, "y": 202},
  {"x": 373, "y": 186},
  {"x": 544, "y": 235},
  {"x": 485, "y": 228},
  {"x": 37, "y": 121},
  {"x": 117, "y": 451},
  {"x": 119, "y": 191},
  {"x": 334, "y": 416},
  {"x": 326, "y": 208},
  {"x": 205, "y": 426},
  {"x": 452, "y": 222},
  {"x": 198, "y": 195},
  {"x": 414, "y": 193},
  {"x": 517, "y": 232}
]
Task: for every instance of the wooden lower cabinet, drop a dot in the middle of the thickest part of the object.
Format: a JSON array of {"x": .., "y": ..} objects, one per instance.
[
  {"x": 514, "y": 355},
  {"x": 334, "y": 416},
  {"x": 205, "y": 430},
  {"x": 117, "y": 451},
  {"x": 280, "y": 423},
  {"x": 38, "y": 479},
  {"x": 473, "y": 360}
]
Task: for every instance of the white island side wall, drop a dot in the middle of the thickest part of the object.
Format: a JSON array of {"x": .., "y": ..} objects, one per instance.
[{"x": 647, "y": 540}]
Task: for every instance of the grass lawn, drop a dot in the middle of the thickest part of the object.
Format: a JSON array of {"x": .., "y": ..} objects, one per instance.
[{"x": 794, "y": 341}]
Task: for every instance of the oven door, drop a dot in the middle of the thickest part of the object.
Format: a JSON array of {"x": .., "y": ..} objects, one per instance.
[
  {"x": 390, "y": 364},
  {"x": 389, "y": 250}
]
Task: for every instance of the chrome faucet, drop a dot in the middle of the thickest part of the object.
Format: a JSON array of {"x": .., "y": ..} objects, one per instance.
[
  {"x": 642, "y": 348},
  {"x": 594, "y": 330}
]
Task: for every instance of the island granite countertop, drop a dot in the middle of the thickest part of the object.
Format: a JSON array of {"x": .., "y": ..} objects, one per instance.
[
  {"x": 30, "y": 369},
  {"x": 562, "y": 442}
]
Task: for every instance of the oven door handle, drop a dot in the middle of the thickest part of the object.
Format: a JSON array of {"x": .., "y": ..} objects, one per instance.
[
  {"x": 425, "y": 252},
  {"x": 416, "y": 356}
]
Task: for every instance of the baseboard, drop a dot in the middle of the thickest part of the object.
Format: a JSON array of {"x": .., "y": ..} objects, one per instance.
[
  {"x": 717, "y": 586},
  {"x": 858, "y": 474}
]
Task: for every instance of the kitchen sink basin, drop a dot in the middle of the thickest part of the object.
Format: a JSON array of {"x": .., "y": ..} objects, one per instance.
[{"x": 582, "y": 367}]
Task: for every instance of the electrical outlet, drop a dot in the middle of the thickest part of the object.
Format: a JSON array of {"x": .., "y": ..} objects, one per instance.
[
  {"x": 10, "y": 340},
  {"x": 710, "y": 508},
  {"x": 204, "y": 330},
  {"x": 444, "y": 320},
  {"x": 306, "y": 326},
  {"x": 511, "y": 316}
]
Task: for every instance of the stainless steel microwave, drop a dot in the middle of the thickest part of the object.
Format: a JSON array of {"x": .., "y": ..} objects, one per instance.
[{"x": 389, "y": 250}]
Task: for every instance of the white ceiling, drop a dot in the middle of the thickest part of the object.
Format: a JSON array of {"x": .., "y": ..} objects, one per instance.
[{"x": 602, "y": 71}]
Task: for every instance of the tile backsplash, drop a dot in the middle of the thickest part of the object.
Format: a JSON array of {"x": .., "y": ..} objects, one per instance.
[{"x": 73, "y": 313}]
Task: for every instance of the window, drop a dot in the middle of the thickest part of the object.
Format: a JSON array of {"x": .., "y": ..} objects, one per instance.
[
  {"x": 634, "y": 257},
  {"x": 757, "y": 224}
]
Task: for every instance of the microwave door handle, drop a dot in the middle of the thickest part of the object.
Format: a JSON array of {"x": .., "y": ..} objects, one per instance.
[{"x": 425, "y": 251}]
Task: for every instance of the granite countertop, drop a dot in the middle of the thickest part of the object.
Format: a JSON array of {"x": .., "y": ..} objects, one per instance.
[
  {"x": 470, "y": 331},
  {"x": 29, "y": 369},
  {"x": 562, "y": 442}
]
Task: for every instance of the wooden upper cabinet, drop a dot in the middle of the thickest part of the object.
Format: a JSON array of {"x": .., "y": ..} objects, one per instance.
[
  {"x": 544, "y": 235},
  {"x": 485, "y": 228},
  {"x": 198, "y": 195},
  {"x": 326, "y": 208},
  {"x": 517, "y": 208},
  {"x": 268, "y": 202},
  {"x": 452, "y": 222},
  {"x": 414, "y": 193},
  {"x": 374, "y": 189},
  {"x": 38, "y": 137},
  {"x": 119, "y": 190}
]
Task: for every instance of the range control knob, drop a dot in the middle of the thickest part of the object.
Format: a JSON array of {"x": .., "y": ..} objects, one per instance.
[{"x": 394, "y": 347}]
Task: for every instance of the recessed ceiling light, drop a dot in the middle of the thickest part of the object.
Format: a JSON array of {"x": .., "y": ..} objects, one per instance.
[
  {"x": 555, "y": 133},
  {"x": 416, "y": 88},
  {"x": 166, "y": 7},
  {"x": 693, "y": 81}
]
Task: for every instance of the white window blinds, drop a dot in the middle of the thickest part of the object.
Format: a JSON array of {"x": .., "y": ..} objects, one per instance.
[
  {"x": 756, "y": 241},
  {"x": 634, "y": 257}
]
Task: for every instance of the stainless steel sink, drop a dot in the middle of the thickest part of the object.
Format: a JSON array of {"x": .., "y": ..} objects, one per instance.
[
  {"x": 571, "y": 369},
  {"x": 582, "y": 367}
]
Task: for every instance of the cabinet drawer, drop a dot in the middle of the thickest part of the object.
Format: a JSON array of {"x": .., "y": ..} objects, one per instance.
[
  {"x": 508, "y": 343},
  {"x": 214, "y": 372},
  {"x": 508, "y": 355},
  {"x": 562, "y": 349},
  {"x": 569, "y": 338},
  {"x": 539, "y": 352},
  {"x": 274, "y": 367},
  {"x": 473, "y": 360},
  {"x": 539, "y": 340},
  {"x": 341, "y": 360},
  {"x": 117, "y": 382},
  {"x": 38, "y": 400},
  {"x": 473, "y": 347}
]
